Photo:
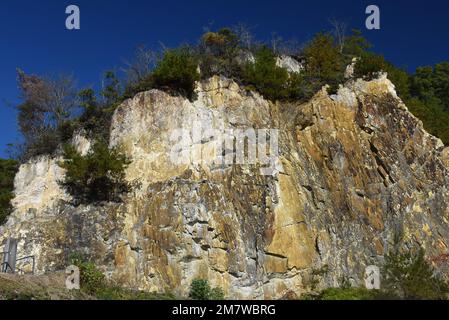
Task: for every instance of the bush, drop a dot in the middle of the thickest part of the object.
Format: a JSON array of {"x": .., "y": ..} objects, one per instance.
[
  {"x": 324, "y": 63},
  {"x": 217, "y": 54},
  {"x": 264, "y": 76},
  {"x": 8, "y": 169},
  {"x": 177, "y": 71},
  {"x": 409, "y": 275},
  {"x": 92, "y": 280},
  {"x": 94, "y": 283},
  {"x": 201, "y": 290},
  {"x": 97, "y": 176}
]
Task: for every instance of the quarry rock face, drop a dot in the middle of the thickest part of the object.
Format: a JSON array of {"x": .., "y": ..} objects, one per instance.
[{"x": 353, "y": 170}]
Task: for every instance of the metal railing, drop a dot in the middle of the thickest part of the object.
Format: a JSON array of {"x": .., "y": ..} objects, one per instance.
[
  {"x": 24, "y": 258},
  {"x": 9, "y": 263}
]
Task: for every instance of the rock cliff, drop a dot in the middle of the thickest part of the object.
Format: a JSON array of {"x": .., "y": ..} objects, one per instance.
[{"x": 353, "y": 169}]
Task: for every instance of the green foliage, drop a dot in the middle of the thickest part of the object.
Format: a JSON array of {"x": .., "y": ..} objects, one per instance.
[
  {"x": 48, "y": 103},
  {"x": 405, "y": 275},
  {"x": 96, "y": 117},
  {"x": 94, "y": 283},
  {"x": 370, "y": 65},
  {"x": 324, "y": 63},
  {"x": 97, "y": 176},
  {"x": 177, "y": 71},
  {"x": 217, "y": 54},
  {"x": 348, "y": 293},
  {"x": 111, "y": 90},
  {"x": 216, "y": 294},
  {"x": 355, "y": 45},
  {"x": 271, "y": 81},
  {"x": 8, "y": 169},
  {"x": 430, "y": 98},
  {"x": 223, "y": 43},
  {"x": 201, "y": 290},
  {"x": 265, "y": 76},
  {"x": 409, "y": 275},
  {"x": 92, "y": 280},
  {"x": 46, "y": 114}
]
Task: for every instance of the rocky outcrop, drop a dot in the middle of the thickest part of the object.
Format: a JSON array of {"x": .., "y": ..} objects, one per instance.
[
  {"x": 353, "y": 170},
  {"x": 290, "y": 64}
]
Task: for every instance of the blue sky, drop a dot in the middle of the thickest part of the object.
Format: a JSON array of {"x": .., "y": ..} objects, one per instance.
[{"x": 33, "y": 34}]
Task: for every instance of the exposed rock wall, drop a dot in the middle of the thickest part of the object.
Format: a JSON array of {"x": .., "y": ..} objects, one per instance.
[{"x": 354, "y": 169}]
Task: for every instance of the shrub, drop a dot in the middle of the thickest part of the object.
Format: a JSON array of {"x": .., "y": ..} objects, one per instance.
[
  {"x": 92, "y": 280},
  {"x": 369, "y": 65},
  {"x": 97, "y": 176},
  {"x": 217, "y": 54},
  {"x": 409, "y": 275},
  {"x": 264, "y": 76},
  {"x": 177, "y": 71},
  {"x": 94, "y": 283},
  {"x": 8, "y": 170},
  {"x": 201, "y": 290},
  {"x": 324, "y": 63}
]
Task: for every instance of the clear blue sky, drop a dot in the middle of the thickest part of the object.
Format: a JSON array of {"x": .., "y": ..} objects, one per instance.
[{"x": 33, "y": 35}]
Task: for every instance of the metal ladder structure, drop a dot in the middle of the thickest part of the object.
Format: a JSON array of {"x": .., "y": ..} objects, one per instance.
[{"x": 10, "y": 259}]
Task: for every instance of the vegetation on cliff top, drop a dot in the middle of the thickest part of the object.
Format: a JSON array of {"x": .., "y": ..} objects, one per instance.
[{"x": 51, "y": 109}]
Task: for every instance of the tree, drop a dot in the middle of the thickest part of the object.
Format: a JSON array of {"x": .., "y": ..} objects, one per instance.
[
  {"x": 339, "y": 32},
  {"x": 356, "y": 45},
  {"x": 265, "y": 76},
  {"x": 97, "y": 176},
  {"x": 324, "y": 64},
  {"x": 217, "y": 53},
  {"x": 111, "y": 88},
  {"x": 244, "y": 36},
  {"x": 177, "y": 71},
  {"x": 201, "y": 290},
  {"x": 408, "y": 274},
  {"x": 141, "y": 66},
  {"x": 47, "y": 104}
]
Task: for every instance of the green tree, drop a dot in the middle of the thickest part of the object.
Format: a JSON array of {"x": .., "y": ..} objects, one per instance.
[
  {"x": 177, "y": 71},
  {"x": 264, "y": 76},
  {"x": 47, "y": 104},
  {"x": 356, "y": 44},
  {"x": 97, "y": 176},
  {"x": 408, "y": 274},
  {"x": 111, "y": 88},
  {"x": 324, "y": 63},
  {"x": 201, "y": 290}
]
